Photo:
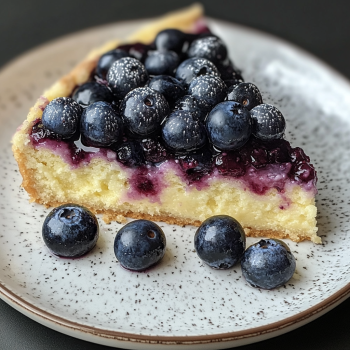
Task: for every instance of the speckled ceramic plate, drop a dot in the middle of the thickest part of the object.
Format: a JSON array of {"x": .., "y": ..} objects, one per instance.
[{"x": 180, "y": 303}]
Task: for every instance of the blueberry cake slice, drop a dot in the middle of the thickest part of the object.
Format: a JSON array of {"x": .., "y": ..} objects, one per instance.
[{"x": 163, "y": 127}]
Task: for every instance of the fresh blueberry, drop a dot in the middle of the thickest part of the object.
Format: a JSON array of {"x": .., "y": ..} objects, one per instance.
[
  {"x": 70, "y": 231},
  {"x": 268, "y": 122},
  {"x": 220, "y": 241},
  {"x": 91, "y": 92},
  {"x": 229, "y": 126},
  {"x": 228, "y": 72},
  {"x": 137, "y": 50},
  {"x": 209, "y": 47},
  {"x": 125, "y": 75},
  {"x": 209, "y": 88},
  {"x": 247, "y": 94},
  {"x": 143, "y": 109},
  {"x": 168, "y": 86},
  {"x": 100, "y": 125},
  {"x": 139, "y": 245},
  {"x": 198, "y": 108},
  {"x": 106, "y": 60},
  {"x": 182, "y": 133},
  {"x": 268, "y": 264},
  {"x": 62, "y": 116},
  {"x": 161, "y": 62},
  {"x": 193, "y": 68},
  {"x": 170, "y": 40},
  {"x": 130, "y": 153}
]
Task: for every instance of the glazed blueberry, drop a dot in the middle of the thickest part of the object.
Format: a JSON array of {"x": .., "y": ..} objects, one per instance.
[
  {"x": 130, "y": 153},
  {"x": 193, "y": 68},
  {"x": 70, "y": 231},
  {"x": 209, "y": 88},
  {"x": 182, "y": 133},
  {"x": 139, "y": 245},
  {"x": 137, "y": 50},
  {"x": 154, "y": 151},
  {"x": 268, "y": 264},
  {"x": 209, "y": 47},
  {"x": 268, "y": 122},
  {"x": 143, "y": 109},
  {"x": 229, "y": 126},
  {"x": 91, "y": 92},
  {"x": 125, "y": 75},
  {"x": 106, "y": 60},
  {"x": 100, "y": 125},
  {"x": 170, "y": 40},
  {"x": 62, "y": 116},
  {"x": 220, "y": 241},
  {"x": 168, "y": 86},
  {"x": 247, "y": 94},
  {"x": 161, "y": 62},
  {"x": 198, "y": 108}
]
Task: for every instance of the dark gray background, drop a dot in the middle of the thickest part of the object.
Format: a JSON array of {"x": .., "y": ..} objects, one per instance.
[{"x": 321, "y": 27}]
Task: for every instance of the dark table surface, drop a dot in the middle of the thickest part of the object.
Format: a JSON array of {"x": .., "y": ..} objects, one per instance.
[{"x": 321, "y": 27}]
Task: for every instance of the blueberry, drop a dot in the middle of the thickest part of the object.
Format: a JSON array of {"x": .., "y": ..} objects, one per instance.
[
  {"x": 154, "y": 151},
  {"x": 193, "y": 68},
  {"x": 220, "y": 241},
  {"x": 100, "y": 125},
  {"x": 209, "y": 88},
  {"x": 136, "y": 50},
  {"x": 229, "y": 126},
  {"x": 143, "y": 109},
  {"x": 170, "y": 39},
  {"x": 247, "y": 94},
  {"x": 209, "y": 47},
  {"x": 268, "y": 122},
  {"x": 168, "y": 86},
  {"x": 70, "y": 231},
  {"x": 161, "y": 62},
  {"x": 106, "y": 60},
  {"x": 62, "y": 116},
  {"x": 139, "y": 245},
  {"x": 91, "y": 92},
  {"x": 228, "y": 72},
  {"x": 198, "y": 108},
  {"x": 130, "y": 153},
  {"x": 125, "y": 75},
  {"x": 268, "y": 264},
  {"x": 182, "y": 133}
]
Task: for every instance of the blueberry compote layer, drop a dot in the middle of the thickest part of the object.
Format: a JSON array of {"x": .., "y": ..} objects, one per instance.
[{"x": 260, "y": 165}]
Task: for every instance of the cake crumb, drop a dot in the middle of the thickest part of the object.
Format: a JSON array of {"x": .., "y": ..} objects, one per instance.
[{"x": 108, "y": 218}]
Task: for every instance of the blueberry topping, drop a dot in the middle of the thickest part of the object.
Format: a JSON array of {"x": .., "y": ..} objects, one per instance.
[
  {"x": 268, "y": 264},
  {"x": 125, "y": 75},
  {"x": 139, "y": 245},
  {"x": 161, "y": 62},
  {"x": 198, "y": 108},
  {"x": 228, "y": 72},
  {"x": 209, "y": 88},
  {"x": 229, "y": 126},
  {"x": 209, "y": 47},
  {"x": 70, "y": 231},
  {"x": 154, "y": 151},
  {"x": 247, "y": 94},
  {"x": 170, "y": 40},
  {"x": 100, "y": 125},
  {"x": 130, "y": 153},
  {"x": 136, "y": 50},
  {"x": 193, "y": 68},
  {"x": 143, "y": 109},
  {"x": 106, "y": 60},
  {"x": 182, "y": 133},
  {"x": 220, "y": 241},
  {"x": 168, "y": 86},
  {"x": 91, "y": 92},
  {"x": 62, "y": 116},
  {"x": 268, "y": 122}
]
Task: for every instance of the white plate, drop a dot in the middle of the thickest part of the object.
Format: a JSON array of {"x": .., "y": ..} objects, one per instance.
[{"x": 181, "y": 302}]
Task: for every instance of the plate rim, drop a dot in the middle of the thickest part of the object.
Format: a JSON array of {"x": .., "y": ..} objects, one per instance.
[{"x": 282, "y": 326}]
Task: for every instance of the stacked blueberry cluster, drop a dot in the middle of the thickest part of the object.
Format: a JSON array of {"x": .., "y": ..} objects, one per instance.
[{"x": 178, "y": 98}]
